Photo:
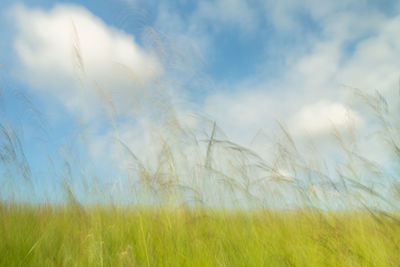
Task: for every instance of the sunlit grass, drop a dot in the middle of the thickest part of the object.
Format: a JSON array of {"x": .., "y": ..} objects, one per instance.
[{"x": 100, "y": 236}]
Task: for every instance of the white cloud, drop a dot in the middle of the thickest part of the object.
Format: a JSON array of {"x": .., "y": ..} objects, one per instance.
[
  {"x": 65, "y": 50},
  {"x": 319, "y": 68},
  {"x": 320, "y": 118},
  {"x": 374, "y": 64}
]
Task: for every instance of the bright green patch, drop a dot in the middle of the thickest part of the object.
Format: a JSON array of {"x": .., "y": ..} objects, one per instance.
[{"x": 59, "y": 236}]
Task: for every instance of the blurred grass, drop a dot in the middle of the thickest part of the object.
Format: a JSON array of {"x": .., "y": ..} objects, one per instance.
[{"x": 147, "y": 236}]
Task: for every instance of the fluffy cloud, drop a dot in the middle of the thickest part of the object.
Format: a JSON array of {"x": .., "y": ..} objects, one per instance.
[
  {"x": 374, "y": 63},
  {"x": 65, "y": 51},
  {"x": 322, "y": 117}
]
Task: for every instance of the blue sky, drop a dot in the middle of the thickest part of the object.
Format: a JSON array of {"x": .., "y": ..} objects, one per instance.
[{"x": 243, "y": 64}]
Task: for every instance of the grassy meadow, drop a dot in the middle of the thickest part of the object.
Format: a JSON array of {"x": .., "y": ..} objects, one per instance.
[{"x": 112, "y": 236}]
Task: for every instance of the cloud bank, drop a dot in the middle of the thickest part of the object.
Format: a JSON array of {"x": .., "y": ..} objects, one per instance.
[{"x": 67, "y": 51}]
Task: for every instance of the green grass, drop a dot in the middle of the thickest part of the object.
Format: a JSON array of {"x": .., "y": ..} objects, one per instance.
[{"x": 67, "y": 236}]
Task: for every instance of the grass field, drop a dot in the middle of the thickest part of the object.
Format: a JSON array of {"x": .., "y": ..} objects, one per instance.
[{"x": 73, "y": 236}]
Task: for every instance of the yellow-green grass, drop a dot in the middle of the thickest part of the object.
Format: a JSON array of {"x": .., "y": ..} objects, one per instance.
[{"x": 140, "y": 236}]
